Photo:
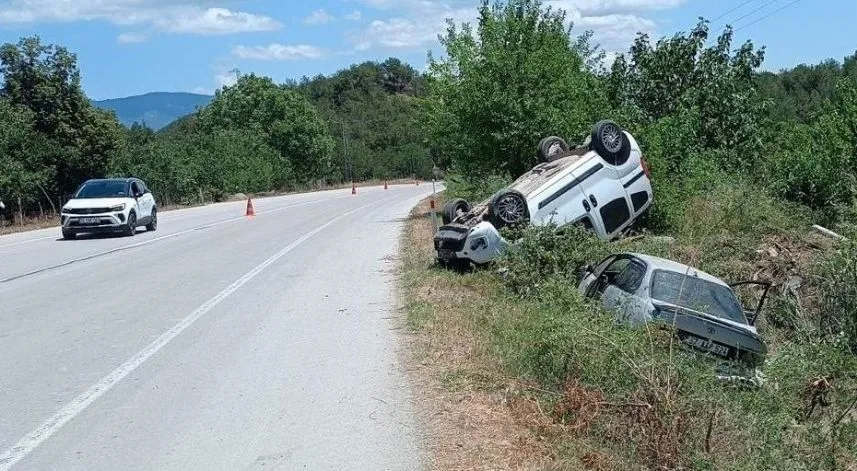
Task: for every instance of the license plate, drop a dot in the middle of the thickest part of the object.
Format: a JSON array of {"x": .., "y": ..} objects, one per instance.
[
  {"x": 90, "y": 220},
  {"x": 707, "y": 345},
  {"x": 445, "y": 254}
]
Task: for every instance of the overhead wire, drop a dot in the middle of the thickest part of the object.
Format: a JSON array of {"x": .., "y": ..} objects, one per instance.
[
  {"x": 769, "y": 14},
  {"x": 730, "y": 11}
]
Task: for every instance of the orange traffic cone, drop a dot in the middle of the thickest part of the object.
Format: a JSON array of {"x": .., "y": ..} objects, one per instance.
[
  {"x": 385, "y": 184},
  {"x": 250, "y": 211},
  {"x": 353, "y": 189}
]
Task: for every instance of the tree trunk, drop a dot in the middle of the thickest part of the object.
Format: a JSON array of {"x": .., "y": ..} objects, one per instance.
[
  {"x": 20, "y": 212},
  {"x": 48, "y": 197}
]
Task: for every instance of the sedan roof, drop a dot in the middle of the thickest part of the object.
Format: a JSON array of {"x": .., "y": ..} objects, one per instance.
[{"x": 671, "y": 265}]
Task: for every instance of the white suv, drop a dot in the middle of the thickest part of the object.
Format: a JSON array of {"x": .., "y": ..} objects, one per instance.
[
  {"x": 112, "y": 205},
  {"x": 602, "y": 184}
]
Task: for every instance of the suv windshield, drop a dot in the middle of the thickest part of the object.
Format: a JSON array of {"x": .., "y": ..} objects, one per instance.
[
  {"x": 103, "y": 189},
  {"x": 697, "y": 294}
]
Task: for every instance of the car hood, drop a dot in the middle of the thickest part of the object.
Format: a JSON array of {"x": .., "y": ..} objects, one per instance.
[{"x": 83, "y": 203}]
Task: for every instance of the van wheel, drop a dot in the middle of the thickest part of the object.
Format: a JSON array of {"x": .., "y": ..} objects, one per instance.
[
  {"x": 550, "y": 148},
  {"x": 508, "y": 208},
  {"x": 610, "y": 142},
  {"x": 453, "y": 209}
]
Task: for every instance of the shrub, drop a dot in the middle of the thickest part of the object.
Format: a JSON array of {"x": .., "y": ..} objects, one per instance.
[
  {"x": 837, "y": 275},
  {"x": 544, "y": 253},
  {"x": 474, "y": 190}
]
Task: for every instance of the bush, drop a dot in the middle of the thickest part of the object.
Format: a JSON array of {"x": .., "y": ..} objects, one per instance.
[
  {"x": 837, "y": 275},
  {"x": 545, "y": 253},
  {"x": 474, "y": 190}
]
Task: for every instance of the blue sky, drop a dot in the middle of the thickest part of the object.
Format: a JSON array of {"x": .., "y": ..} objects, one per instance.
[{"x": 129, "y": 47}]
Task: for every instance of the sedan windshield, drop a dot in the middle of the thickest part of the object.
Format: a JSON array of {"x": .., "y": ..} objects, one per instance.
[
  {"x": 697, "y": 294},
  {"x": 102, "y": 189}
]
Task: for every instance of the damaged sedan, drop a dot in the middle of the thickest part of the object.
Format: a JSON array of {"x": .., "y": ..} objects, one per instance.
[
  {"x": 603, "y": 185},
  {"x": 702, "y": 310}
]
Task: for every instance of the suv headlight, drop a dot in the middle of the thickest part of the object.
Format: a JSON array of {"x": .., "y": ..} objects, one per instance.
[{"x": 118, "y": 208}]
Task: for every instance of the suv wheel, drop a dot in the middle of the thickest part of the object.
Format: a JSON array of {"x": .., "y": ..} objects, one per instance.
[
  {"x": 507, "y": 208},
  {"x": 131, "y": 228},
  {"x": 610, "y": 142},
  {"x": 153, "y": 224},
  {"x": 69, "y": 235},
  {"x": 453, "y": 209}
]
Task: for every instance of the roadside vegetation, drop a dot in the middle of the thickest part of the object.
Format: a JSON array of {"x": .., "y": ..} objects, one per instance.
[{"x": 743, "y": 164}]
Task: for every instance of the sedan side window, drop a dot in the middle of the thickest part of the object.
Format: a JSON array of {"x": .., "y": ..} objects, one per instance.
[{"x": 630, "y": 278}]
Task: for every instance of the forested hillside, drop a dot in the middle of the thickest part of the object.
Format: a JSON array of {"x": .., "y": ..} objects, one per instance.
[
  {"x": 254, "y": 136},
  {"x": 155, "y": 110}
]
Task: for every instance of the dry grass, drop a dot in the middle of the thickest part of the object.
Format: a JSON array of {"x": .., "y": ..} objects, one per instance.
[{"x": 475, "y": 420}]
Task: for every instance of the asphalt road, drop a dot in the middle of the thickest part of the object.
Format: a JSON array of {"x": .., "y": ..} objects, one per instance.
[{"x": 217, "y": 342}]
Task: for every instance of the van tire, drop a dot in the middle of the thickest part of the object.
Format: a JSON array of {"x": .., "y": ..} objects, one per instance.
[
  {"x": 610, "y": 142},
  {"x": 453, "y": 209},
  {"x": 508, "y": 208},
  {"x": 551, "y": 148}
]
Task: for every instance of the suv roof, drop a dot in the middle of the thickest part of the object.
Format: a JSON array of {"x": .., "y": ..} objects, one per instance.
[{"x": 129, "y": 179}]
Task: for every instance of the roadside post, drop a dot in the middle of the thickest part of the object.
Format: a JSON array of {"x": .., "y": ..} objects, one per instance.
[{"x": 433, "y": 199}]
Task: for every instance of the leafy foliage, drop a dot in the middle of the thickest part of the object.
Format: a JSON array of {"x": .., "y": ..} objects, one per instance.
[
  {"x": 515, "y": 78},
  {"x": 373, "y": 115},
  {"x": 287, "y": 121}
]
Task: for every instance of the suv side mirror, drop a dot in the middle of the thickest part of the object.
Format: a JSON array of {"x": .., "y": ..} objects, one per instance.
[{"x": 138, "y": 194}]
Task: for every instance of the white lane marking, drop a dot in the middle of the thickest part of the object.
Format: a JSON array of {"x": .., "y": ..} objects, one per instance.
[
  {"x": 178, "y": 214},
  {"x": 32, "y": 440},
  {"x": 152, "y": 241},
  {"x": 27, "y": 241}
]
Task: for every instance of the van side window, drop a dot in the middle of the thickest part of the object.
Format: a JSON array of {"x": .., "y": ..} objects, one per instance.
[{"x": 615, "y": 214}]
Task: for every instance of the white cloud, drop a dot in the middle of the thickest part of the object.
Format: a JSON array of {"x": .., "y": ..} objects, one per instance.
[
  {"x": 226, "y": 78},
  {"x": 277, "y": 52},
  {"x": 131, "y": 38},
  {"x": 415, "y": 24},
  {"x": 319, "y": 17},
  {"x": 177, "y": 16},
  {"x": 216, "y": 21},
  {"x": 355, "y": 15}
]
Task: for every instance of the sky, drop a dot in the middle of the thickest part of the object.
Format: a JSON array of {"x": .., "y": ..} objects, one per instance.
[{"x": 130, "y": 47}]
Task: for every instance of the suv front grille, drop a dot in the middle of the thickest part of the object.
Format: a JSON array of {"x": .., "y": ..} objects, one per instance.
[{"x": 88, "y": 211}]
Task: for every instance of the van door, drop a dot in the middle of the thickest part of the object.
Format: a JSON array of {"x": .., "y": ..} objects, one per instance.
[
  {"x": 564, "y": 202},
  {"x": 606, "y": 197}
]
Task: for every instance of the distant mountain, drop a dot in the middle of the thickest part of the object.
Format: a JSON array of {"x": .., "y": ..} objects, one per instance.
[{"x": 156, "y": 110}]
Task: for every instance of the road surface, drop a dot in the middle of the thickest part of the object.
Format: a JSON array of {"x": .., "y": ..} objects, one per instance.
[{"x": 217, "y": 342}]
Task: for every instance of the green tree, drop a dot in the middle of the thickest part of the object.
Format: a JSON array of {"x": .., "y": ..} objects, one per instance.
[
  {"x": 45, "y": 80},
  {"x": 517, "y": 77},
  {"x": 289, "y": 122},
  {"x": 713, "y": 87},
  {"x": 374, "y": 119}
]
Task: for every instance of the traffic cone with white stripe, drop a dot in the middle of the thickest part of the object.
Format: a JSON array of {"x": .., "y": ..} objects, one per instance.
[{"x": 250, "y": 211}]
